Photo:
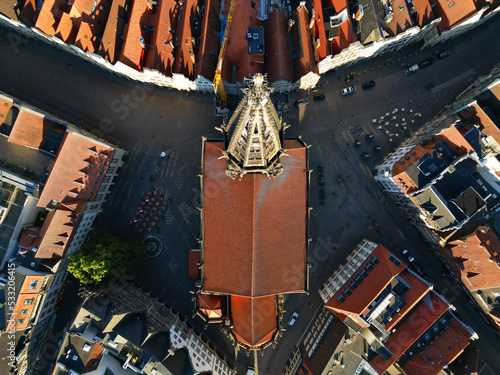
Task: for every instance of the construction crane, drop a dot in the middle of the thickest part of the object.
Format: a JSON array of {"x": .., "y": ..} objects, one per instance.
[{"x": 217, "y": 84}]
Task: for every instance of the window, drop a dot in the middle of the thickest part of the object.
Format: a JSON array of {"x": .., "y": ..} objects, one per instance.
[
  {"x": 21, "y": 321},
  {"x": 33, "y": 285},
  {"x": 358, "y": 279},
  {"x": 368, "y": 266},
  {"x": 28, "y": 301},
  {"x": 451, "y": 4},
  {"x": 394, "y": 260},
  {"x": 374, "y": 260},
  {"x": 347, "y": 291},
  {"x": 353, "y": 284},
  {"x": 363, "y": 273},
  {"x": 340, "y": 297},
  {"x": 24, "y": 312}
]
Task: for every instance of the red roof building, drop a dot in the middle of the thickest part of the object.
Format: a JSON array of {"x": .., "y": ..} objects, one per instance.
[
  {"x": 77, "y": 172},
  {"x": 5, "y": 106},
  {"x": 135, "y": 36},
  {"x": 185, "y": 39},
  {"x": 160, "y": 55},
  {"x": 401, "y": 19},
  {"x": 255, "y": 227},
  {"x": 66, "y": 29},
  {"x": 374, "y": 293},
  {"x": 246, "y": 15},
  {"x": 279, "y": 62},
  {"x": 56, "y": 233},
  {"x": 208, "y": 51},
  {"x": 304, "y": 57},
  {"x": 87, "y": 39},
  {"x": 452, "y": 12},
  {"x": 50, "y": 14},
  {"x": 111, "y": 41},
  {"x": 423, "y": 14}
]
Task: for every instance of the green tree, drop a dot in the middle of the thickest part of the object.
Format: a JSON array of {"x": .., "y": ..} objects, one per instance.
[{"x": 105, "y": 256}]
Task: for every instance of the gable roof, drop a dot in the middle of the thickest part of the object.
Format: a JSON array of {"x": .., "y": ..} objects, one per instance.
[
  {"x": 303, "y": 57},
  {"x": 160, "y": 54},
  {"x": 111, "y": 41},
  {"x": 452, "y": 12},
  {"x": 423, "y": 12},
  {"x": 56, "y": 233},
  {"x": 185, "y": 42},
  {"x": 254, "y": 230},
  {"x": 77, "y": 172},
  {"x": 135, "y": 37},
  {"x": 254, "y": 319},
  {"x": 30, "y": 129},
  {"x": 210, "y": 305},
  {"x": 208, "y": 51},
  {"x": 279, "y": 62}
]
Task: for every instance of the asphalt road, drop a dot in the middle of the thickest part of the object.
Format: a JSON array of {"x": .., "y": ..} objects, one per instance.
[{"x": 147, "y": 120}]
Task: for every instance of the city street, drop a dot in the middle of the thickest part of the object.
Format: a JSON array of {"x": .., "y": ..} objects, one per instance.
[{"x": 146, "y": 120}]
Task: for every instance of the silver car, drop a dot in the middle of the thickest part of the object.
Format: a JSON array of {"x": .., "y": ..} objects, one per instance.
[{"x": 348, "y": 90}]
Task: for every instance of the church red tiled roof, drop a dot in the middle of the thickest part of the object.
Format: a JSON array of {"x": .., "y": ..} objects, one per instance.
[
  {"x": 252, "y": 247},
  {"x": 303, "y": 55},
  {"x": 254, "y": 319},
  {"x": 210, "y": 305},
  {"x": 77, "y": 172}
]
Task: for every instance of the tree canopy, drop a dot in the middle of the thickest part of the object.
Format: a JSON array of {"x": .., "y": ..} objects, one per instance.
[{"x": 105, "y": 256}]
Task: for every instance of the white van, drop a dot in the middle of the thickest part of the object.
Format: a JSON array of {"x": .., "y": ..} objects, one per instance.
[{"x": 411, "y": 69}]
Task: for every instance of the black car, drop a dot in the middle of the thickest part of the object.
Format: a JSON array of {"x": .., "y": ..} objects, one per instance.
[
  {"x": 418, "y": 268},
  {"x": 301, "y": 102},
  {"x": 443, "y": 54},
  {"x": 357, "y": 143},
  {"x": 426, "y": 63},
  {"x": 365, "y": 155},
  {"x": 369, "y": 137},
  {"x": 368, "y": 85},
  {"x": 376, "y": 148},
  {"x": 319, "y": 97}
]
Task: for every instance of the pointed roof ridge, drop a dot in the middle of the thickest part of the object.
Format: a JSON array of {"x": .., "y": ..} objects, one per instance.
[{"x": 255, "y": 144}]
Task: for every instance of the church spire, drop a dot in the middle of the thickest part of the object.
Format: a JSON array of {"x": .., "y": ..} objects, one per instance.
[{"x": 255, "y": 144}]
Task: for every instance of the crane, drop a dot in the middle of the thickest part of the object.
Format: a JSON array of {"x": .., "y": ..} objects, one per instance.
[{"x": 217, "y": 83}]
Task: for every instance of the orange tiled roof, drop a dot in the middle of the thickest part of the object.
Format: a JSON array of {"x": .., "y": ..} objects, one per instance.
[
  {"x": 184, "y": 39},
  {"x": 346, "y": 37},
  {"x": 254, "y": 319},
  {"x": 323, "y": 49},
  {"x": 194, "y": 258},
  {"x": 49, "y": 15},
  {"x": 94, "y": 358},
  {"x": 244, "y": 17},
  {"x": 255, "y": 229},
  {"x": 210, "y": 305},
  {"x": 423, "y": 12},
  {"x": 401, "y": 19},
  {"x": 111, "y": 41},
  {"x": 30, "y": 129},
  {"x": 78, "y": 169},
  {"x": 29, "y": 13},
  {"x": 358, "y": 303},
  {"x": 451, "y": 136},
  {"x": 82, "y": 10},
  {"x": 475, "y": 115},
  {"x": 86, "y": 38},
  {"x": 135, "y": 37},
  {"x": 279, "y": 63},
  {"x": 56, "y": 233},
  {"x": 441, "y": 352},
  {"x": 451, "y": 15},
  {"x": 411, "y": 328},
  {"x": 208, "y": 52},
  {"x": 303, "y": 50},
  {"x": 5, "y": 106},
  {"x": 28, "y": 239},
  {"x": 475, "y": 259},
  {"x": 66, "y": 30},
  {"x": 160, "y": 54}
]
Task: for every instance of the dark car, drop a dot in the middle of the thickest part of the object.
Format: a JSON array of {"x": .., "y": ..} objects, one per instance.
[
  {"x": 357, "y": 143},
  {"x": 443, "y": 54},
  {"x": 426, "y": 63},
  {"x": 368, "y": 85},
  {"x": 319, "y": 97},
  {"x": 376, "y": 148},
  {"x": 301, "y": 102},
  {"x": 365, "y": 155},
  {"x": 418, "y": 268},
  {"x": 369, "y": 137}
]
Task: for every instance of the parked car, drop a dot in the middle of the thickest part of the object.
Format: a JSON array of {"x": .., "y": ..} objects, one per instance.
[
  {"x": 319, "y": 97},
  {"x": 357, "y": 143},
  {"x": 376, "y": 148},
  {"x": 368, "y": 85},
  {"x": 348, "y": 90},
  {"x": 293, "y": 319},
  {"x": 443, "y": 54},
  {"x": 365, "y": 155},
  {"x": 408, "y": 256},
  {"x": 426, "y": 63},
  {"x": 411, "y": 69},
  {"x": 301, "y": 102},
  {"x": 369, "y": 137},
  {"x": 418, "y": 268}
]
